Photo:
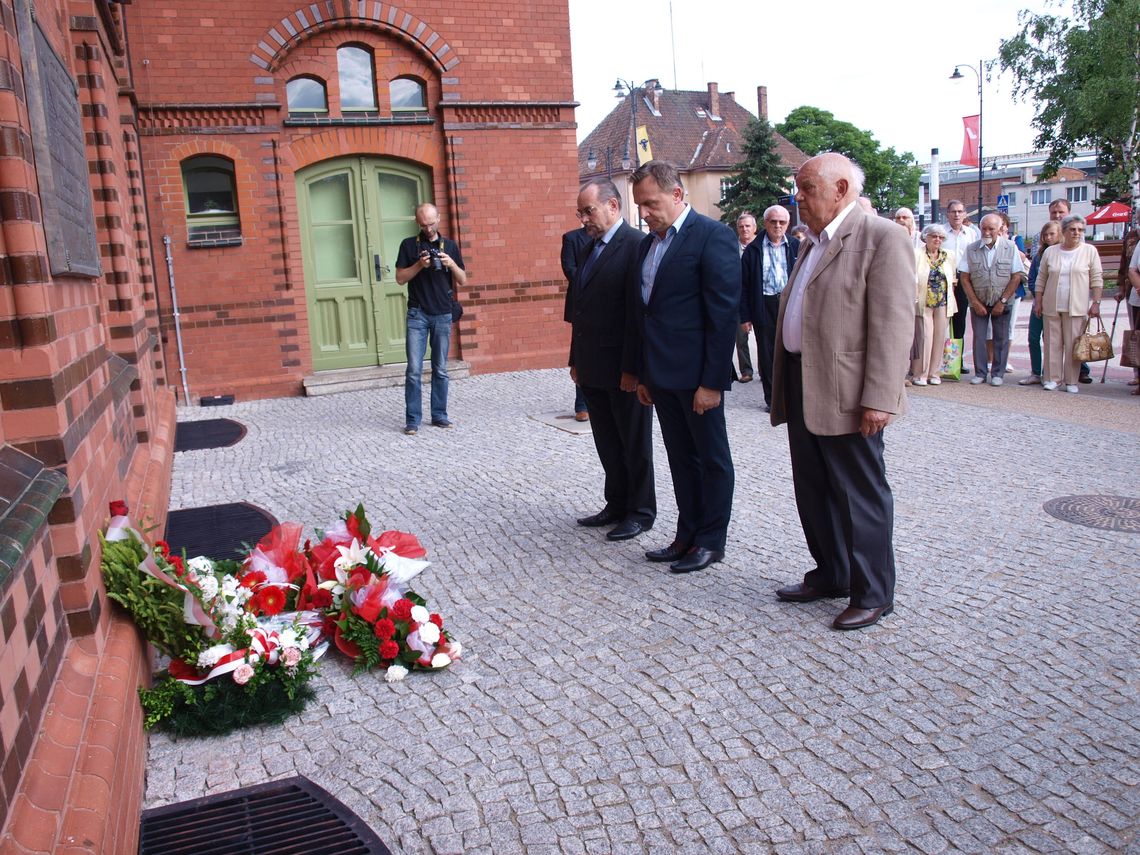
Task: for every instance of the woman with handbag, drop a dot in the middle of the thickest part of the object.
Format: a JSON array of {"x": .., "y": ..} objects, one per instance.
[
  {"x": 935, "y": 270},
  {"x": 1128, "y": 290},
  {"x": 1069, "y": 283}
]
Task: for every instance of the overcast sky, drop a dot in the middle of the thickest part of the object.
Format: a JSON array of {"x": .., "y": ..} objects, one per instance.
[{"x": 883, "y": 66}]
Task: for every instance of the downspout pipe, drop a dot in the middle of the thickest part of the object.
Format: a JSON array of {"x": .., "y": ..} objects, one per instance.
[{"x": 177, "y": 318}]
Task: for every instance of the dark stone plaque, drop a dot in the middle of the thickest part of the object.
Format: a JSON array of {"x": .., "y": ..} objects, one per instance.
[{"x": 61, "y": 155}]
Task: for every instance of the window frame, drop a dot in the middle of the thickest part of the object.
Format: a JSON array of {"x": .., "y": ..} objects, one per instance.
[
  {"x": 420, "y": 84},
  {"x": 307, "y": 111},
  {"x": 216, "y": 224},
  {"x": 1081, "y": 190},
  {"x": 367, "y": 51},
  {"x": 1041, "y": 196}
]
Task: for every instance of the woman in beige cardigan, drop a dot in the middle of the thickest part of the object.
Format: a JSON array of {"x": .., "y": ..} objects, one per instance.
[
  {"x": 1068, "y": 292},
  {"x": 936, "y": 275}
]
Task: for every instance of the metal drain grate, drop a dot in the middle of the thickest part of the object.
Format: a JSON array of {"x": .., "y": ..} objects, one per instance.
[
  {"x": 289, "y": 817},
  {"x": 1111, "y": 513},
  {"x": 207, "y": 433}
]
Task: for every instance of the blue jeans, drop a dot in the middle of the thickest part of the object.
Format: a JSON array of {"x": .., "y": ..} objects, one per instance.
[
  {"x": 1036, "y": 328},
  {"x": 420, "y": 327}
]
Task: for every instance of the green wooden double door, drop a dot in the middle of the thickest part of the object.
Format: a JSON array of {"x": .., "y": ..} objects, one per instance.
[{"x": 354, "y": 212}]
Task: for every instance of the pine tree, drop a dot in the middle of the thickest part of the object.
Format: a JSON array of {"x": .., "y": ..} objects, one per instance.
[{"x": 762, "y": 178}]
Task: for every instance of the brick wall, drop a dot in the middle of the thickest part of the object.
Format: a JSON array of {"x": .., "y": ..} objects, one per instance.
[
  {"x": 84, "y": 418},
  {"x": 500, "y": 148}
]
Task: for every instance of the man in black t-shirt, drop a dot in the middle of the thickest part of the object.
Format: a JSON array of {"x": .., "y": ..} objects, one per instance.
[{"x": 431, "y": 266}]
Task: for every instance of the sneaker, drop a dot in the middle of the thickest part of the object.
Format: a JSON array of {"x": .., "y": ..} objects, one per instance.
[
  {"x": 409, "y": 430},
  {"x": 978, "y": 380},
  {"x": 996, "y": 381},
  {"x": 935, "y": 381},
  {"x": 1031, "y": 380},
  {"x": 1009, "y": 369},
  {"x": 1071, "y": 390},
  {"x": 443, "y": 423},
  {"x": 1048, "y": 385},
  {"x": 918, "y": 381}
]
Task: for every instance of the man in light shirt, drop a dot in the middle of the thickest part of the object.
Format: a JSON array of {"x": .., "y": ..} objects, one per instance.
[
  {"x": 842, "y": 347},
  {"x": 745, "y": 234},
  {"x": 989, "y": 272}
]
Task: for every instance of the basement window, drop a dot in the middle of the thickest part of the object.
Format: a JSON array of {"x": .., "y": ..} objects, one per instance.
[{"x": 211, "y": 201}]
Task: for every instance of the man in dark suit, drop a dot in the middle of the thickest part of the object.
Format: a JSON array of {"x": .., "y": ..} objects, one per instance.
[
  {"x": 842, "y": 347},
  {"x": 688, "y": 276},
  {"x": 573, "y": 242},
  {"x": 764, "y": 267},
  {"x": 598, "y": 302}
]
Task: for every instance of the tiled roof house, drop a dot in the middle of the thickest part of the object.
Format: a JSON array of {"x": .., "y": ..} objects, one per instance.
[{"x": 701, "y": 132}]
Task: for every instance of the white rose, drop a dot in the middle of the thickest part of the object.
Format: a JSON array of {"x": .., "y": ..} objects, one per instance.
[
  {"x": 209, "y": 587},
  {"x": 395, "y": 673},
  {"x": 429, "y": 633},
  {"x": 201, "y": 565},
  {"x": 440, "y": 660},
  {"x": 420, "y": 614}
]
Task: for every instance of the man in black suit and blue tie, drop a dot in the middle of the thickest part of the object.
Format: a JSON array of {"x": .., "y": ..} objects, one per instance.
[
  {"x": 602, "y": 358},
  {"x": 687, "y": 315}
]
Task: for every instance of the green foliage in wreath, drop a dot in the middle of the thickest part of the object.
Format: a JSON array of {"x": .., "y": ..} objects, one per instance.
[
  {"x": 153, "y": 605},
  {"x": 221, "y": 705}
]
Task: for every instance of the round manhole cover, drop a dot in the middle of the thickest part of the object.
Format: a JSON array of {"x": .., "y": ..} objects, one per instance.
[{"x": 1111, "y": 513}]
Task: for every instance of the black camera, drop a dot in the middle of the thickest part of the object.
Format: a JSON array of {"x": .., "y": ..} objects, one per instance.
[{"x": 433, "y": 254}]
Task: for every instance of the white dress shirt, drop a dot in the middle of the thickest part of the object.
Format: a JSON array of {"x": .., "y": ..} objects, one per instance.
[{"x": 794, "y": 314}]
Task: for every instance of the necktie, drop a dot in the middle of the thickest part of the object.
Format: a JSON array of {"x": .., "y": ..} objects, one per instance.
[{"x": 584, "y": 273}]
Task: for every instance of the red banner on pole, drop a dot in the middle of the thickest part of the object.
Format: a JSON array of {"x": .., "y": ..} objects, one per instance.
[{"x": 970, "y": 141}]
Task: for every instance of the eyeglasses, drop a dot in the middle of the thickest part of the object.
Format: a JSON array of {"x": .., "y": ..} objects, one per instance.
[{"x": 588, "y": 211}]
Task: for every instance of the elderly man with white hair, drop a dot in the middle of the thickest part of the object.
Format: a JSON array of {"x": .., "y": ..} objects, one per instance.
[
  {"x": 764, "y": 267},
  {"x": 842, "y": 342},
  {"x": 989, "y": 272}
]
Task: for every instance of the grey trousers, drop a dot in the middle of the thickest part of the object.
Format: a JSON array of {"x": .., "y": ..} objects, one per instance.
[{"x": 978, "y": 324}]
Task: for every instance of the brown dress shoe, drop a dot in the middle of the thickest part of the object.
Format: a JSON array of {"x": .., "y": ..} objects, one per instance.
[
  {"x": 582, "y": 417},
  {"x": 802, "y": 593},
  {"x": 856, "y": 618}
]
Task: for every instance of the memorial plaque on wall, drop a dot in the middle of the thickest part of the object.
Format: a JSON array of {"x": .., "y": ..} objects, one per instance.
[{"x": 61, "y": 165}]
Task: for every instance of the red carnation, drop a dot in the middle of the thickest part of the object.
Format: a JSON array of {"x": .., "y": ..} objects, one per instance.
[
  {"x": 402, "y": 610},
  {"x": 321, "y": 599},
  {"x": 437, "y": 620},
  {"x": 119, "y": 508},
  {"x": 389, "y": 650},
  {"x": 162, "y": 546},
  {"x": 384, "y": 629},
  {"x": 271, "y": 600},
  {"x": 176, "y": 563}
]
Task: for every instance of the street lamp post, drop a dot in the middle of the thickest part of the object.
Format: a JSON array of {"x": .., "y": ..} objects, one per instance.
[
  {"x": 957, "y": 75},
  {"x": 631, "y": 161}
]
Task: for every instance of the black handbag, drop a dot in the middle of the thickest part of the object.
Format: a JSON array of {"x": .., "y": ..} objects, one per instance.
[{"x": 456, "y": 309}]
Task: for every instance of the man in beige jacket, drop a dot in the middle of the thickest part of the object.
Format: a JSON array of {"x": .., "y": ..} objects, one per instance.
[{"x": 842, "y": 347}]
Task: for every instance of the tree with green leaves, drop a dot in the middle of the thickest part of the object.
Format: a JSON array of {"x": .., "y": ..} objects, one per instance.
[
  {"x": 892, "y": 177},
  {"x": 1083, "y": 76},
  {"x": 762, "y": 177}
]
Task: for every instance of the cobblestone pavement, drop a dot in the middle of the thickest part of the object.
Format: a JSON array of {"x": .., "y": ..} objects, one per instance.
[{"x": 604, "y": 705}]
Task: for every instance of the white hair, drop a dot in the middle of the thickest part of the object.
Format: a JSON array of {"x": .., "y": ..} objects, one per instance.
[{"x": 776, "y": 209}]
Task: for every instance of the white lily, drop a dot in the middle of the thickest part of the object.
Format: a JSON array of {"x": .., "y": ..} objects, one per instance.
[{"x": 351, "y": 556}]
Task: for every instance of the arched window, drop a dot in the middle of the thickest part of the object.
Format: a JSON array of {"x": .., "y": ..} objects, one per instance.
[
  {"x": 211, "y": 198},
  {"x": 357, "y": 82},
  {"x": 306, "y": 95},
  {"x": 407, "y": 93}
]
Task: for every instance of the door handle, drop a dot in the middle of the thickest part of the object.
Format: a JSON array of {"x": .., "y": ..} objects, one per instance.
[{"x": 380, "y": 268}]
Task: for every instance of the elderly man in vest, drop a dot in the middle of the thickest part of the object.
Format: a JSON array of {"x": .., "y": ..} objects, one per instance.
[{"x": 989, "y": 271}]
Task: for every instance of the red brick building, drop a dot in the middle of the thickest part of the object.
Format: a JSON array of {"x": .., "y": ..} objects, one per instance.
[
  {"x": 84, "y": 418},
  {"x": 260, "y": 162},
  {"x": 288, "y": 170}
]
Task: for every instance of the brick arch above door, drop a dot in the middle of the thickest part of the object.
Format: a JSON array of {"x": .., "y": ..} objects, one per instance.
[{"x": 279, "y": 40}]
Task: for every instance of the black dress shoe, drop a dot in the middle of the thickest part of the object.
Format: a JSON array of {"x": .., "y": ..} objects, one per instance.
[
  {"x": 601, "y": 518},
  {"x": 672, "y": 552},
  {"x": 626, "y": 530},
  {"x": 856, "y": 618},
  {"x": 803, "y": 593},
  {"x": 697, "y": 558}
]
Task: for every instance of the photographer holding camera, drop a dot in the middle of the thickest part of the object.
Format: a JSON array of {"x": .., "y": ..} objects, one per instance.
[{"x": 431, "y": 266}]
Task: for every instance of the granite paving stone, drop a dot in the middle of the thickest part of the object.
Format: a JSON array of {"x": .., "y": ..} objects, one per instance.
[{"x": 604, "y": 705}]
